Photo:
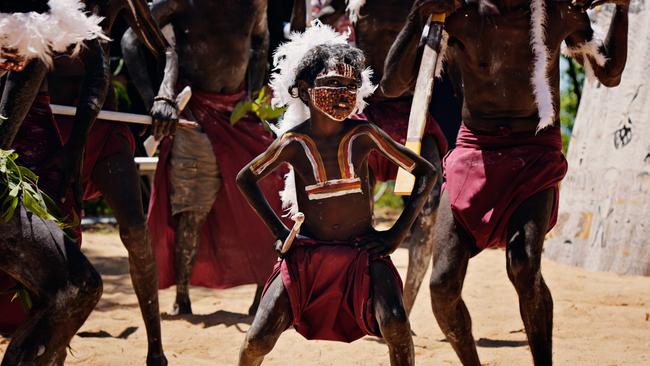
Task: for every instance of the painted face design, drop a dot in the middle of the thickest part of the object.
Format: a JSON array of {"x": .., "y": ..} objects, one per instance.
[
  {"x": 9, "y": 61},
  {"x": 335, "y": 92}
]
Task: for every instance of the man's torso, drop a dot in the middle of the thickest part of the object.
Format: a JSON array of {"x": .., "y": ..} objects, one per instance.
[
  {"x": 496, "y": 61},
  {"x": 213, "y": 41}
]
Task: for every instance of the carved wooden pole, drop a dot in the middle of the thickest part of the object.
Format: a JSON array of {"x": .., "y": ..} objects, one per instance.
[{"x": 604, "y": 219}]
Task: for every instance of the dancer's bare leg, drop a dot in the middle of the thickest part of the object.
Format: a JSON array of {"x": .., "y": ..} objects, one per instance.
[
  {"x": 188, "y": 236},
  {"x": 117, "y": 178},
  {"x": 526, "y": 231},
  {"x": 391, "y": 315},
  {"x": 420, "y": 240},
  {"x": 63, "y": 285},
  {"x": 273, "y": 317},
  {"x": 450, "y": 258}
]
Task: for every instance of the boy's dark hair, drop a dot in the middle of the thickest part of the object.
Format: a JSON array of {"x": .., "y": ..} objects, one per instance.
[{"x": 322, "y": 56}]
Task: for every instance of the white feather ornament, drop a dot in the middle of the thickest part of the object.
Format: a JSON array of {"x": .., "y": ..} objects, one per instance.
[
  {"x": 539, "y": 79},
  {"x": 33, "y": 35}
]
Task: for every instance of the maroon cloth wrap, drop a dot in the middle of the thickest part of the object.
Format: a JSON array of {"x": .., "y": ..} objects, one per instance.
[
  {"x": 488, "y": 177},
  {"x": 234, "y": 247},
  {"x": 39, "y": 143},
  {"x": 392, "y": 116},
  {"x": 106, "y": 138},
  {"x": 329, "y": 288}
]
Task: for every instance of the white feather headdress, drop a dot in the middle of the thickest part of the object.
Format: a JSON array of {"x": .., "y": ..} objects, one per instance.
[
  {"x": 33, "y": 35},
  {"x": 286, "y": 60}
]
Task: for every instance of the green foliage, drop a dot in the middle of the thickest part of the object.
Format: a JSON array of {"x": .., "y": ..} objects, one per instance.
[
  {"x": 119, "y": 86},
  {"x": 261, "y": 107},
  {"x": 570, "y": 91},
  {"x": 23, "y": 295},
  {"x": 97, "y": 208},
  {"x": 388, "y": 198},
  {"x": 121, "y": 95},
  {"x": 19, "y": 183}
]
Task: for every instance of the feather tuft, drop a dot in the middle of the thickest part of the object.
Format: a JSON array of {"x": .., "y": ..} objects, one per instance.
[
  {"x": 539, "y": 79},
  {"x": 353, "y": 8},
  {"x": 33, "y": 35}
]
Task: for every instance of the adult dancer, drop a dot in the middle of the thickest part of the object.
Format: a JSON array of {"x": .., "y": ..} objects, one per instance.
[
  {"x": 502, "y": 178},
  {"x": 63, "y": 286},
  {"x": 52, "y": 148},
  {"x": 196, "y": 214}
]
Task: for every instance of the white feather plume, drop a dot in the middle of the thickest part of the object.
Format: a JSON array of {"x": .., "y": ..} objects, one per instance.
[
  {"x": 353, "y": 8},
  {"x": 286, "y": 60},
  {"x": 589, "y": 52},
  {"x": 539, "y": 79},
  {"x": 33, "y": 35}
]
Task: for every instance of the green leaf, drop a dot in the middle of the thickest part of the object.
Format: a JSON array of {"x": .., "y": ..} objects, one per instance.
[{"x": 240, "y": 111}]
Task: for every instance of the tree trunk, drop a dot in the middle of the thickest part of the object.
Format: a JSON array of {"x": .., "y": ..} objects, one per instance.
[{"x": 604, "y": 219}]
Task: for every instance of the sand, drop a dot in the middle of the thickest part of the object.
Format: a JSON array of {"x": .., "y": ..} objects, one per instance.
[{"x": 600, "y": 319}]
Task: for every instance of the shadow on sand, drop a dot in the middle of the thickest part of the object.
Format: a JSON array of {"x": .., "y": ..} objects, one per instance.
[
  {"x": 499, "y": 343},
  {"x": 219, "y": 317},
  {"x": 104, "y": 334}
]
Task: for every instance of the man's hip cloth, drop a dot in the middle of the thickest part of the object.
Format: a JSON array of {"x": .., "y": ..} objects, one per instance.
[
  {"x": 488, "y": 177},
  {"x": 196, "y": 173},
  {"x": 329, "y": 288}
]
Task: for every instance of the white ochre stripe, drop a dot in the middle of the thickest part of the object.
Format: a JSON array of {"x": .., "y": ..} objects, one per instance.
[
  {"x": 320, "y": 196},
  {"x": 276, "y": 154},
  {"x": 391, "y": 156}
]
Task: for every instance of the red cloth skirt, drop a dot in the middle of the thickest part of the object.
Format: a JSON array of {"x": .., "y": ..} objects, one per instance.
[
  {"x": 329, "y": 288},
  {"x": 487, "y": 177},
  {"x": 233, "y": 248},
  {"x": 392, "y": 116}
]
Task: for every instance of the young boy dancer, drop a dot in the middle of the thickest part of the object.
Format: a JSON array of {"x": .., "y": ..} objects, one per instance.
[{"x": 337, "y": 281}]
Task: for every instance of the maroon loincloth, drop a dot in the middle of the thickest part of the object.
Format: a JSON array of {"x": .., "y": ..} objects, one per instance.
[
  {"x": 234, "y": 248},
  {"x": 106, "y": 138},
  {"x": 488, "y": 177},
  {"x": 39, "y": 143},
  {"x": 392, "y": 116},
  {"x": 329, "y": 287}
]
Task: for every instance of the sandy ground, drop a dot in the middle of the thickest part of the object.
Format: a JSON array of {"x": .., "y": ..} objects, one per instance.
[{"x": 600, "y": 319}]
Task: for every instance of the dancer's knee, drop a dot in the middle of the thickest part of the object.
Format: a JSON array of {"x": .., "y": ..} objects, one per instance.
[
  {"x": 394, "y": 323},
  {"x": 257, "y": 344},
  {"x": 444, "y": 286},
  {"x": 134, "y": 238},
  {"x": 523, "y": 270}
]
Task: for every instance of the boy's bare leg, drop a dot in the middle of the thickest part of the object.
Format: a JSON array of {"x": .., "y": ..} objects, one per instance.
[
  {"x": 391, "y": 315},
  {"x": 273, "y": 317}
]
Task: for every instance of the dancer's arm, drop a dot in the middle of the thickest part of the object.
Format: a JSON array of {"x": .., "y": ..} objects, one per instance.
[
  {"x": 608, "y": 60},
  {"x": 425, "y": 177},
  {"x": 277, "y": 154}
]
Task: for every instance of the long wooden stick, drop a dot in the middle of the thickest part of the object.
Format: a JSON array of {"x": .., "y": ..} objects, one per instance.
[
  {"x": 422, "y": 96},
  {"x": 64, "y": 110}
]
